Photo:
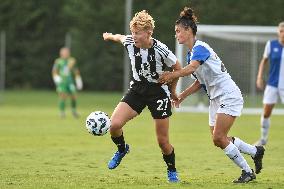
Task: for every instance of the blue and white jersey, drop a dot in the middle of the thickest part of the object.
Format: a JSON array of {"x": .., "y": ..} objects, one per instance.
[
  {"x": 275, "y": 53},
  {"x": 211, "y": 73}
]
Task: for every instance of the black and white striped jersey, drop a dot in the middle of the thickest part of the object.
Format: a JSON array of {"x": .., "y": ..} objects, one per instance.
[{"x": 148, "y": 64}]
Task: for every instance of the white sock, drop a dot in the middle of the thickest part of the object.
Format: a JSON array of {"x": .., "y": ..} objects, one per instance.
[
  {"x": 265, "y": 124},
  {"x": 234, "y": 154},
  {"x": 245, "y": 147}
]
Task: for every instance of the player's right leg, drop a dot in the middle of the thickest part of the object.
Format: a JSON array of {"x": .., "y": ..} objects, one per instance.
[
  {"x": 62, "y": 101},
  {"x": 122, "y": 113}
]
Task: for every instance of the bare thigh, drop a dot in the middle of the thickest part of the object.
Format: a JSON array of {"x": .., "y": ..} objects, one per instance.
[{"x": 121, "y": 114}]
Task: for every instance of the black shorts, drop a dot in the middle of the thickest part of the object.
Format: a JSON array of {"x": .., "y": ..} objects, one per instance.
[{"x": 154, "y": 96}]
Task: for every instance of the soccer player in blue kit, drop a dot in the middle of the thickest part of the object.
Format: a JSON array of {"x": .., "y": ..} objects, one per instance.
[
  {"x": 274, "y": 54},
  {"x": 226, "y": 101}
]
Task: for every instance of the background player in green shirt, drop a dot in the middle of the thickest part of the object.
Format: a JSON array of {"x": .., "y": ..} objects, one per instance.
[{"x": 67, "y": 79}]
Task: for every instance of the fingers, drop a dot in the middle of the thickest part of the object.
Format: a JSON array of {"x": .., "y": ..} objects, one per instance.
[
  {"x": 165, "y": 77},
  {"x": 106, "y": 35}
]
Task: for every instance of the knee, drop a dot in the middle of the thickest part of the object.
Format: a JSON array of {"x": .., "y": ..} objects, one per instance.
[
  {"x": 115, "y": 125},
  {"x": 266, "y": 114},
  {"x": 218, "y": 140},
  {"x": 163, "y": 143}
]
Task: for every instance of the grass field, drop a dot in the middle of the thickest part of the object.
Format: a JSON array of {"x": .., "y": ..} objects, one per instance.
[{"x": 39, "y": 150}]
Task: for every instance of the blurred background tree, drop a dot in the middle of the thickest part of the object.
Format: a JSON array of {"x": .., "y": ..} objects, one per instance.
[{"x": 36, "y": 29}]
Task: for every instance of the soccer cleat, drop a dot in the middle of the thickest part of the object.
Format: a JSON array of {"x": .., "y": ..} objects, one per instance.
[
  {"x": 117, "y": 157},
  {"x": 172, "y": 176},
  {"x": 260, "y": 142},
  {"x": 245, "y": 177},
  {"x": 258, "y": 158}
]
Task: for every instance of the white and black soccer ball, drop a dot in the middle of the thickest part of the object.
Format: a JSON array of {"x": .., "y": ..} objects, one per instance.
[{"x": 98, "y": 123}]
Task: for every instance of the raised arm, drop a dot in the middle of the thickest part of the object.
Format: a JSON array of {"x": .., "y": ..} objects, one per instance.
[{"x": 114, "y": 37}]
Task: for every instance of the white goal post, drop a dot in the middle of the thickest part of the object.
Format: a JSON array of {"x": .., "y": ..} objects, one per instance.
[{"x": 241, "y": 49}]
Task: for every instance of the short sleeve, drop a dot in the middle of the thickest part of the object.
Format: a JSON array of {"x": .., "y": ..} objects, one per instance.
[
  {"x": 266, "y": 52},
  {"x": 171, "y": 59},
  {"x": 166, "y": 54},
  {"x": 200, "y": 54},
  {"x": 128, "y": 40}
]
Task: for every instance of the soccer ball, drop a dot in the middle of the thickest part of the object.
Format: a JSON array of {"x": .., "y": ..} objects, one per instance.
[{"x": 98, "y": 123}]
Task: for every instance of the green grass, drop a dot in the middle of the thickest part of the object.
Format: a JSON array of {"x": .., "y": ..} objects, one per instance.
[{"x": 39, "y": 150}]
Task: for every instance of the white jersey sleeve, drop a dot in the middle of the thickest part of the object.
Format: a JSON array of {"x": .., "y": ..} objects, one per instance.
[
  {"x": 171, "y": 59},
  {"x": 128, "y": 40},
  {"x": 167, "y": 55},
  {"x": 266, "y": 52}
]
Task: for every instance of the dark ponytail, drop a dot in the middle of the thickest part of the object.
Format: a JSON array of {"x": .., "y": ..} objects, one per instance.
[{"x": 188, "y": 19}]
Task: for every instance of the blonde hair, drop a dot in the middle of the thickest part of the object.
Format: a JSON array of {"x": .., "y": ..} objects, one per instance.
[
  {"x": 281, "y": 24},
  {"x": 142, "y": 21}
]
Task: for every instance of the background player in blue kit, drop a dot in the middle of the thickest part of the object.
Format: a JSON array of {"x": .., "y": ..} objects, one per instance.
[
  {"x": 226, "y": 101},
  {"x": 274, "y": 54},
  {"x": 149, "y": 58}
]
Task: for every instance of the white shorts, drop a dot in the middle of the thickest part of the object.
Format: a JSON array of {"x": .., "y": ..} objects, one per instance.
[
  {"x": 230, "y": 103},
  {"x": 271, "y": 95}
]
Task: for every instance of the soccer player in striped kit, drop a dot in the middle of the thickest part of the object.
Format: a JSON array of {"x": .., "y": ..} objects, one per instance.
[
  {"x": 149, "y": 58},
  {"x": 274, "y": 54},
  {"x": 226, "y": 101}
]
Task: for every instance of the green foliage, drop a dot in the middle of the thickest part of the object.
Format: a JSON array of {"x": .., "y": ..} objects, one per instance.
[
  {"x": 39, "y": 150},
  {"x": 36, "y": 30}
]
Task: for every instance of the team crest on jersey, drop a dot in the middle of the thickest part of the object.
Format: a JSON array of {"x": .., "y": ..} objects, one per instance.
[
  {"x": 138, "y": 54},
  {"x": 151, "y": 57},
  {"x": 275, "y": 49}
]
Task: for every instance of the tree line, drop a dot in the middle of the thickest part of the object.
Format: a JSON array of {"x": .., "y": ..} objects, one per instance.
[{"x": 36, "y": 29}]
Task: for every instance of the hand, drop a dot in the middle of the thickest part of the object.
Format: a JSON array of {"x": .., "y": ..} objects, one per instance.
[
  {"x": 260, "y": 83},
  {"x": 166, "y": 77},
  {"x": 107, "y": 36},
  {"x": 79, "y": 82},
  {"x": 178, "y": 102},
  {"x": 57, "y": 79}
]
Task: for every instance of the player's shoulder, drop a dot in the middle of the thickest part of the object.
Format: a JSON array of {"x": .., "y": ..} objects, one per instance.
[
  {"x": 72, "y": 59},
  {"x": 161, "y": 47},
  {"x": 57, "y": 60},
  {"x": 158, "y": 43},
  {"x": 203, "y": 44},
  {"x": 128, "y": 39}
]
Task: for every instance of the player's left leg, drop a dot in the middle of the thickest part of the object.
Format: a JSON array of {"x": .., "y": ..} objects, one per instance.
[
  {"x": 223, "y": 124},
  {"x": 162, "y": 133},
  {"x": 256, "y": 152},
  {"x": 62, "y": 100}
]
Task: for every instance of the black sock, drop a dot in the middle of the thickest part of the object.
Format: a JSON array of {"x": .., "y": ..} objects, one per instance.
[
  {"x": 233, "y": 140},
  {"x": 119, "y": 142},
  {"x": 170, "y": 161}
]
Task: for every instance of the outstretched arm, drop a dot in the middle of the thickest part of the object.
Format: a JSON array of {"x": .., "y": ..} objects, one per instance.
[
  {"x": 187, "y": 70},
  {"x": 194, "y": 87},
  {"x": 114, "y": 37}
]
